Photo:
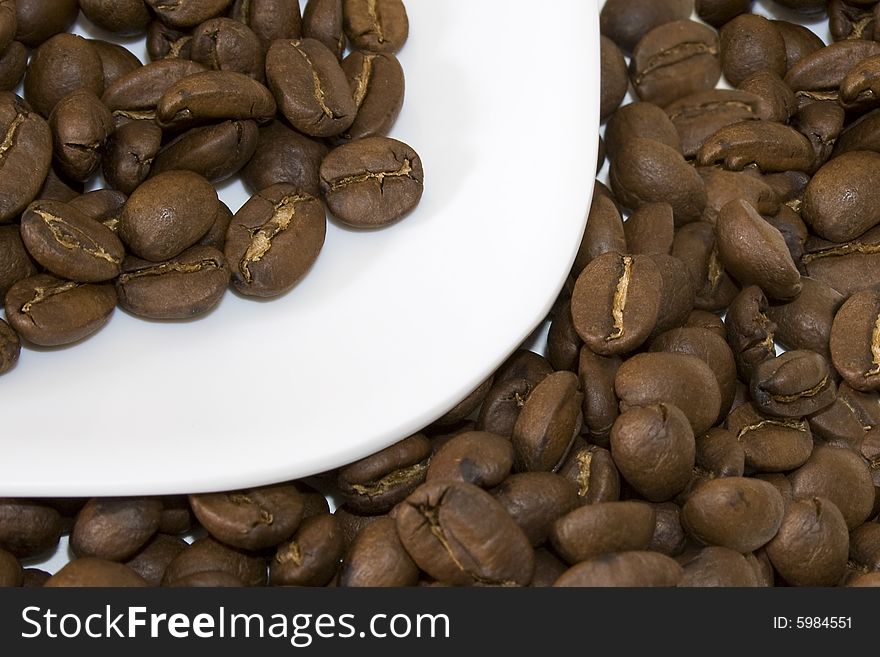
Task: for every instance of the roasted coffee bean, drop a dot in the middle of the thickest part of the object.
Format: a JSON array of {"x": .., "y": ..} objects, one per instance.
[
  {"x": 719, "y": 12},
  {"x": 614, "y": 77},
  {"x": 15, "y": 262},
  {"x": 717, "y": 566},
  {"x": 722, "y": 187},
  {"x": 616, "y": 302},
  {"x": 378, "y": 87},
  {"x": 8, "y": 23},
  {"x": 535, "y": 500},
  {"x": 695, "y": 245},
  {"x": 215, "y": 152},
  {"x": 848, "y": 267},
  {"x": 63, "y": 64},
  {"x": 70, "y": 244},
  {"x": 703, "y": 319},
  {"x": 650, "y": 172},
  {"x": 183, "y": 287},
  {"x": 799, "y": 40},
  {"x": 596, "y": 529},
  {"x": 114, "y": 528},
  {"x": 25, "y": 162},
  {"x": 677, "y": 379},
  {"x": 214, "y": 96},
  {"x": 547, "y": 424},
  {"x": 38, "y": 20},
  {"x": 563, "y": 342},
  {"x": 662, "y": 468},
  {"x": 378, "y": 482},
  {"x": 650, "y": 230},
  {"x": 459, "y": 534},
  {"x": 548, "y": 568},
  {"x": 770, "y": 146},
  {"x": 125, "y": 17},
  {"x": 274, "y": 239},
  {"x": 750, "y": 332},
  {"x": 372, "y": 182},
  {"x": 94, "y": 572},
  {"x": 669, "y": 537},
  {"x": 698, "y": 116},
  {"x": 164, "y": 42},
  {"x": 283, "y": 155},
  {"x": 116, "y": 60},
  {"x": 136, "y": 94},
  {"x": 269, "y": 19},
  {"x": 593, "y": 472},
  {"x": 184, "y": 14},
  {"x": 805, "y": 322},
  {"x": 310, "y": 87},
  {"x": 224, "y": 44},
  {"x": 604, "y": 233},
  {"x": 624, "y": 569},
  {"x": 524, "y": 364},
  {"x": 674, "y": 60},
  {"x": 860, "y": 135},
  {"x": 838, "y": 425},
  {"x": 812, "y": 545},
  {"x": 57, "y": 188},
  {"x": 859, "y": 88},
  {"x": 13, "y": 64},
  {"x": 751, "y": 43},
  {"x": 10, "y": 347},
  {"x": 840, "y": 475},
  {"x": 477, "y": 457},
  {"x": 855, "y": 341},
  {"x": 643, "y": 120},
  {"x": 864, "y": 546},
  {"x": 676, "y": 293},
  {"x": 778, "y": 100},
  {"x": 839, "y": 214},
  {"x": 770, "y": 444},
  {"x": 720, "y": 453},
  {"x": 152, "y": 560},
  {"x": 28, "y": 528},
  {"x": 129, "y": 154},
  {"x": 819, "y": 74},
  {"x": 375, "y": 25},
  {"x": 794, "y": 384},
  {"x": 627, "y": 21},
  {"x": 850, "y": 20},
  {"x": 250, "y": 519},
  {"x": 502, "y": 405},
  {"x": 736, "y": 512},
  {"x": 311, "y": 557},
  {"x": 207, "y": 555},
  {"x": 377, "y": 558},
  {"x": 50, "y": 311},
  {"x": 323, "y": 20}
]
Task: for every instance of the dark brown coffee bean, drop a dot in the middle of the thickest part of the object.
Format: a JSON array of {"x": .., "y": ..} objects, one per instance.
[
  {"x": 459, "y": 534},
  {"x": 351, "y": 523},
  {"x": 10, "y": 347},
  {"x": 650, "y": 230},
  {"x": 215, "y": 152},
  {"x": 93, "y": 572},
  {"x": 152, "y": 560},
  {"x": 722, "y": 187},
  {"x": 624, "y": 569},
  {"x": 116, "y": 60},
  {"x": 548, "y": 568},
  {"x": 183, "y": 14},
  {"x": 717, "y": 566},
  {"x": 224, "y": 44},
  {"x": 750, "y": 332},
  {"x": 838, "y": 425},
  {"x": 164, "y": 42},
  {"x": 677, "y": 379},
  {"x": 720, "y": 453},
  {"x": 524, "y": 364},
  {"x": 375, "y": 25},
  {"x": 129, "y": 154},
  {"x": 547, "y": 424},
  {"x": 736, "y": 512},
  {"x": 805, "y": 323},
  {"x": 847, "y": 267},
  {"x": 502, "y": 405},
  {"x": 25, "y": 162},
  {"x": 698, "y": 116},
  {"x": 376, "y": 558},
  {"x": 651, "y": 172},
  {"x": 274, "y": 239},
  {"x": 208, "y": 555},
  {"x": 13, "y": 64},
  {"x": 840, "y": 215},
  {"x": 177, "y": 517},
  {"x": 627, "y": 21},
  {"x": 27, "y": 527},
  {"x": 859, "y": 88},
  {"x": 778, "y": 100},
  {"x": 676, "y": 293},
  {"x": 285, "y": 156},
  {"x": 11, "y": 574},
  {"x": 69, "y": 243},
  {"x": 596, "y": 529},
  {"x": 323, "y": 20},
  {"x": 812, "y": 545},
  {"x": 866, "y": 405},
  {"x": 695, "y": 245},
  {"x": 643, "y": 120},
  {"x": 674, "y": 60},
  {"x": 378, "y": 482},
  {"x": 769, "y": 146},
  {"x": 855, "y": 341},
  {"x": 136, "y": 94},
  {"x": 477, "y": 457},
  {"x": 128, "y": 17},
  {"x": 535, "y": 500},
  {"x": 250, "y": 519},
  {"x": 718, "y": 12},
  {"x": 80, "y": 125},
  {"x": 63, "y": 64},
  {"x": 593, "y": 472},
  {"x": 38, "y": 20},
  {"x": 563, "y": 342},
  {"x": 114, "y": 528},
  {"x": 669, "y": 537},
  {"x": 839, "y": 475},
  {"x": 751, "y": 43},
  {"x": 850, "y": 20},
  {"x": 167, "y": 214},
  {"x": 770, "y": 444},
  {"x": 311, "y": 557},
  {"x": 372, "y": 182},
  {"x": 661, "y": 469},
  {"x": 50, "y": 311},
  {"x": 614, "y": 77},
  {"x": 794, "y": 384},
  {"x": 604, "y": 233},
  {"x": 15, "y": 262},
  {"x": 800, "y": 41},
  {"x": 819, "y": 74},
  {"x": 214, "y": 96},
  {"x": 377, "y": 84}
]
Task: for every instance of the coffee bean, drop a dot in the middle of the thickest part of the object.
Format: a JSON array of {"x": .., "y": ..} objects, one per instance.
[
  {"x": 600, "y": 528},
  {"x": 613, "y": 77},
  {"x": 502, "y": 405},
  {"x": 311, "y": 557},
  {"x": 548, "y": 568},
  {"x": 855, "y": 341},
  {"x": 376, "y": 558},
  {"x": 750, "y": 332},
  {"x": 850, "y": 20},
  {"x": 477, "y": 457},
  {"x": 676, "y": 293},
  {"x": 770, "y": 444},
  {"x": 184, "y": 14},
  {"x": 136, "y": 94},
  {"x": 695, "y": 245},
  {"x": 25, "y": 163},
  {"x": 50, "y": 311},
  {"x": 62, "y": 64},
  {"x": 717, "y": 566},
  {"x": 37, "y": 20},
  {"x": 323, "y": 20},
  {"x": 114, "y": 528},
  {"x": 283, "y": 155},
  {"x": 805, "y": 322},
  {"x": 15, "y": 262},
  {"x": 207, "y": 555},
  {"x": 214, "y": 96},
  {"x": 604, "y": 233},
  {"x": 794, "y": 384},
  {"x": 703, "y": 319},
  {"x": 10, "y": 347},
  {"x": 847, "y": 267},
  {"x": 535, "y": 500},
  {"x": 722, "y": 187},
  {"x": 224, "y": 44},
  {"x": 751, "y": 43},
  {"x": 858, "y": 88},
  {"x": 116, "y": 60},
  {"x": 70, "y": 244},
  {"x": 833, "y": 214},
  {"x": 215, "y": 152},
  {"x": 864, "y": 546},
  {"x": 164, "y": 42},
  {"x": 778, "y": 100},
  {"x": 799, "y": 40},
  {"x": 459, "y": 534},
  {"x": 625, "y": 569},
  {"x": 698, "y": 116},
  {"x": 740, "y": 513},
  {"x": 643, "y": 120},
  {"x": 80, "y": 126},
  {"x": 819, "y": 74},
  {"x": 129, "y": 154},
  {"x": 626, "y": 21},
  {"x": 8, "y": 23},
  {"x": 524, "y": 364},
  {"x": 153, "y": 559},
  {"x": 375, "y": 25},
  {"x": 13, "y": 64},
  {"x": 593, "y": 472},
  {"x": 669, "y": 537},
  {"x": 28, "y": 528},
  {"x": 372, "y": 182},
  {"x": 650, "y": 230},
  {"x": 377, "y": 84},
  {"x": 95, "y": 572},
  {"x": 838, "y": 425},
  {"x": 768, "y": 145}
]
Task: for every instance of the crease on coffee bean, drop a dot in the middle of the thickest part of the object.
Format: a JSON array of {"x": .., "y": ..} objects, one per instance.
[
  {"x": 177, "y": 46},
  {"x": 584, "y": 461},
  {"x": 170, "y": 268},
  {"x": 136, "y": 115},
  {"x": 875, "y": 350},
  {"x": 11, "y": 131},
  {"x": 859, "y": 25},
  {"x": 392, "y": 479},
  {"x": 675, "y": 55},
  {"x": 291, "y": 552},
  {"x": 43, "y": 293},
  {"x": 241, "y": 499},
  {"x": 215, "y": 58},
  {"x": 817, "y": 389},
  {"x": 691, "y": 112},
  {"x": 405, "y": 171},
  {"x": 84, "y": 148},
  {"x": 363, "y": 79},
  {"x": 618, "y": 304},
  {"x": 842, "y": 250},
  {"x": 283, "y": 214},
  {"x": 377, "y": 23},
  {"x": 715, "y": 269},
  {"x": 816, "y": 94},
  {"x": 71, "y": 237},
  {"x": 318, "y": 91},
  {"x": 797, "y": 425}
]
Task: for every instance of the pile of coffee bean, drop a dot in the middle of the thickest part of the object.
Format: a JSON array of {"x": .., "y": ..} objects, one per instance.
[
  {"x": 298, "y": 104},
  {"x": 665, "y": 439}
]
